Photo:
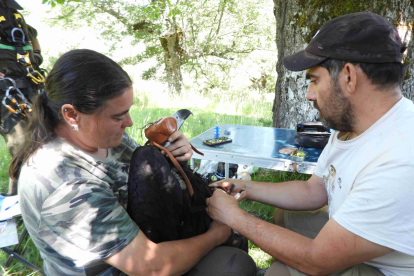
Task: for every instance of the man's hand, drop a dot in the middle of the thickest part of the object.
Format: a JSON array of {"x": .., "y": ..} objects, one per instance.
[
  {"x": 1, "y": 75},
  {"x": 221, "y": 205},
  {"x": 180, "y": 146},
  {"x": 238, "y": 185}
]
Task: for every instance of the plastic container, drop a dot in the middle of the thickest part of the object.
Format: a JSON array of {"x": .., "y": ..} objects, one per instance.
[{"x": 298, "y": 156}]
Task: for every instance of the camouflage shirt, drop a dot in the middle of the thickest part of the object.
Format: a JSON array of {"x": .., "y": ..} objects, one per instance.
[{"x": 74, "y": 206}]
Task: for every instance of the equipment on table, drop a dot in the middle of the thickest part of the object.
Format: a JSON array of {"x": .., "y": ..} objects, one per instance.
[{"x": 312, "y": 135}]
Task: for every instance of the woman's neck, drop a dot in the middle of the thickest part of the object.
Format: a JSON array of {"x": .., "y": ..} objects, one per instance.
[{"x": 66, "y": 133}]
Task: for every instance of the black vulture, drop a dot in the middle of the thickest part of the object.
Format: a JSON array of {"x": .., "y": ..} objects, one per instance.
[{"x": 160, "y": 203}]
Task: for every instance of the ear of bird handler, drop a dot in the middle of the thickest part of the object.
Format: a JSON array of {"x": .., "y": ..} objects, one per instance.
[
  {"x": 72, "y": 176},
  {"x": 359, "y": 218}
]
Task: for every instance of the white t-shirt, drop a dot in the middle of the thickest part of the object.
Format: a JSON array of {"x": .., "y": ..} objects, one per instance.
[{"x": 370, "y": 185}]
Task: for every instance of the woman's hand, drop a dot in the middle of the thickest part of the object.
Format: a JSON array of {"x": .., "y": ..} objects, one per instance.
[
  {"x": 180, "y": 146},
  {"x": 221, "y": 231},
  {"x": 237, "y": 184},
  {"x": 1, "y": 75}
]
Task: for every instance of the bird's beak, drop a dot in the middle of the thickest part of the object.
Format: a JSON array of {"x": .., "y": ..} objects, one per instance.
[{"x": 180, "y": 116}]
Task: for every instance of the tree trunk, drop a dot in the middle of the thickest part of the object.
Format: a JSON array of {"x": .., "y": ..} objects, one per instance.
[
  {"x": 296, "y": 23},
  {"x": 170, "y": 42}
]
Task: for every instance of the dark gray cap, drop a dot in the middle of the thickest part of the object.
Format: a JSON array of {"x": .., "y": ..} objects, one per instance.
[{"x": 357, "y": 37}]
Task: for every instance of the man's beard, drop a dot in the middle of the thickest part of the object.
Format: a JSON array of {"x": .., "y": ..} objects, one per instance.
[{"x": 338, "y": 113}]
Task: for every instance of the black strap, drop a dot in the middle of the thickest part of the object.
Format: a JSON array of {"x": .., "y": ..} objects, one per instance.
[
  {"x": 18, "y": 38},
  {"x": 3, "y": 86},
  {"x": 10, "y": 122},
  {"x": 12, "y": 32}
]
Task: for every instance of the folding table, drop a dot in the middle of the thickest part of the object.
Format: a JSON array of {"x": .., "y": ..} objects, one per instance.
[{"x": 254, "y": 146}]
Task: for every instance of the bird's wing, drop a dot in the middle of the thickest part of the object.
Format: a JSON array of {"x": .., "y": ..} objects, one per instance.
[{"x": 155, "y": 198}]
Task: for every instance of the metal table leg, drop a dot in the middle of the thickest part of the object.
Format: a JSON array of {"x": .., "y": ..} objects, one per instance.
[
  {"x": 226, "y": 170},
  {"x": 192, "y": 163},
  {"x": 13, "y": 254}
]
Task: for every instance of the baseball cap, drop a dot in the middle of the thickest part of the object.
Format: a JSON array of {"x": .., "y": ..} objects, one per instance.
[{"x": 357, "y": 37}]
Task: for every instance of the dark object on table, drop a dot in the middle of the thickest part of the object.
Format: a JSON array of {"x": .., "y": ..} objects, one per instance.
[
  {"x": 312, "y": 135},
  {"x": 160, "y": 204},
  {"x": 218, "y": 141}
]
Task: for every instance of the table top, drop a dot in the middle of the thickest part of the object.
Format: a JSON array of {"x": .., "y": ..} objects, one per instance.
[{"x": 253, "y": 141}]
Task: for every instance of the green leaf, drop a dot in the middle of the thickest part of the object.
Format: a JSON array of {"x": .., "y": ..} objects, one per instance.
[
  {"x": 53, "y": 3},
  {"x": 44, "y": 1},
  {"x": 60, "y": 1}
]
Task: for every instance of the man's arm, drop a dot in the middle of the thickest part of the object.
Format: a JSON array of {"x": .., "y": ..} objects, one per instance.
[
  {"x": 292, "y": 195},
  {"x": 333, "y": 249},
  {"x": 143, "y": 257}
]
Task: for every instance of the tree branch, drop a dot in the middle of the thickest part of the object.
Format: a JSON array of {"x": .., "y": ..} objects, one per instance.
[
  {"x": 221, "y": 54},
  {"x": 209, "y": 38},
  {"x": 115, "y": 14},
  {"x": 66, "y": 15},
  {"x": 221, "y": 17}
]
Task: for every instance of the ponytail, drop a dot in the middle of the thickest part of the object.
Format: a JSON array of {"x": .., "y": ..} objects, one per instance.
[{"x": 39, "y": 132}]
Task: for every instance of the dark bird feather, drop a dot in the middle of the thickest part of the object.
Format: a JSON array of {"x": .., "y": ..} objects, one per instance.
[{"x": 161, "y": 206}]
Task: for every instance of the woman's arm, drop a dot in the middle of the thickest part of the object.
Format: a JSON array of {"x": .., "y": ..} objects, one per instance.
[{"x": 143, "y": 257}]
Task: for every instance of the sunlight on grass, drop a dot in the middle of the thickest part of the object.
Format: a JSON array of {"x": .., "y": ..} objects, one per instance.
[
  {"x": 5, "y": 159},
  {"x": 261, "y": 258}
]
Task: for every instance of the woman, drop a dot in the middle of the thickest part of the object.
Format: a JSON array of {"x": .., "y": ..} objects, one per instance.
[{"x": 73, "y": 171}]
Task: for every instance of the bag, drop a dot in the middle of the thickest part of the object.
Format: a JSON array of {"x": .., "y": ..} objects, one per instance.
[{"x": 312, "y": 135}]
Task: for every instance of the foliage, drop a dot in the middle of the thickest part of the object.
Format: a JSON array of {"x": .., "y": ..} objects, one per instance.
[{"x": 214, "y": 35}]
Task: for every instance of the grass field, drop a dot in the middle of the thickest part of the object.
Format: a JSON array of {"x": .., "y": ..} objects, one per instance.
[{"x": 211, "y": 110}]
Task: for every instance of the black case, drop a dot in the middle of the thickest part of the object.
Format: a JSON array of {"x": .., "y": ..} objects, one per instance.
[{"x": 312, "y": 135}]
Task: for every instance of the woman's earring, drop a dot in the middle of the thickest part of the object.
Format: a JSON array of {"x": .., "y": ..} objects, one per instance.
[
  {"x": 75, "y": 127},
  {"x": 65, "y": 109}
]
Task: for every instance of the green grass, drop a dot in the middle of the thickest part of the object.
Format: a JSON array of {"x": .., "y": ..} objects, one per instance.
[
  {"x": 4, "y": 164},
  {"x": 265, "y": 212},
  {"x": 215, "y": 109}
]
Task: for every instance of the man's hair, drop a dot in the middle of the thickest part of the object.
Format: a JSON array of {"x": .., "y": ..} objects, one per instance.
[{"x": 383, "y": 75}]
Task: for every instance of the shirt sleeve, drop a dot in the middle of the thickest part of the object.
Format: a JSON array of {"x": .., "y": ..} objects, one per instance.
[
  {"x": 379, "y": 207},
  {"x": 83, "y": 221}
]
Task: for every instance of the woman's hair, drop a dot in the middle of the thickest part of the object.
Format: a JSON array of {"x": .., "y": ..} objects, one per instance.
[{"x": 83, "y": 78}]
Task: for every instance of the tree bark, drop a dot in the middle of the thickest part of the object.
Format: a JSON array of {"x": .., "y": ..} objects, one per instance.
[
  {"x": 170, "y": 42},
  {"x": 298, "y": 20}
]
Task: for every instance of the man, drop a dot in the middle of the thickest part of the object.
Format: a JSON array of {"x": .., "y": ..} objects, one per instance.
[
  {"x": 20, "y": 57},
  {"x": 365, "y": 173}
]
